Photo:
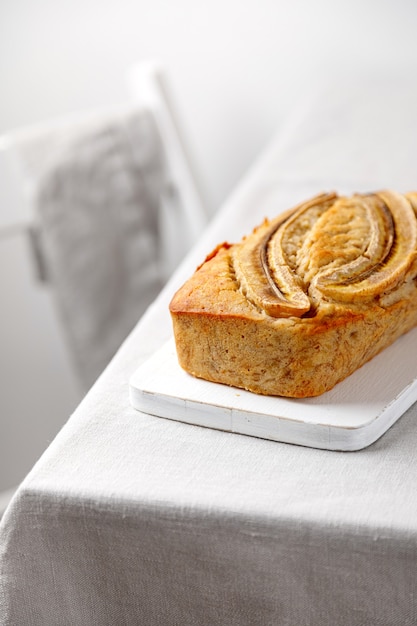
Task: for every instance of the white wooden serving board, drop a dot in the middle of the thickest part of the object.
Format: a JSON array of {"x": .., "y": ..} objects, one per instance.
[{"x": 349, "y": 417}]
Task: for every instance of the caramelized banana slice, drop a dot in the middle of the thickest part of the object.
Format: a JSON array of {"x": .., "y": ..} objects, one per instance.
[
  {"x": 263, "y": 269},
  {"x": 389, "y": 254}
]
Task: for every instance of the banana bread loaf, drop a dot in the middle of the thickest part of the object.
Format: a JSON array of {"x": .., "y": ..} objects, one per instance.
[{"x": 305, "y": 299}]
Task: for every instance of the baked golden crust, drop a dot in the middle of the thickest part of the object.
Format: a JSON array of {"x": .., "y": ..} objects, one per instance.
[{"x": 306, "y": 299}]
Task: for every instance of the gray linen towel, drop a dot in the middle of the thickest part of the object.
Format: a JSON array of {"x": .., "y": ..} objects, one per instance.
[{"x": 97, "y": 199}]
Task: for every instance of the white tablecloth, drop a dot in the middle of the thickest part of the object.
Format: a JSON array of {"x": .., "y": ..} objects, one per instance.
[{"x": 133, "y": 519}]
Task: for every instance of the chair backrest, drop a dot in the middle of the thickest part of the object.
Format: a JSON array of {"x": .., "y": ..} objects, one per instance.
[
  {"x": 184, "y": 213},
  {"x": 183, "y": 205},
  {"x": 111, "y": 205}
]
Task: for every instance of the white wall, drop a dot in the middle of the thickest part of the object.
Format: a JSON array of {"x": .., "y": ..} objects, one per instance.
[{"x": 236, "y": 67}]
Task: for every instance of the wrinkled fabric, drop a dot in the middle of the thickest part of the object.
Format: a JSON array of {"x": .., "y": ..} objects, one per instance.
[{"x": 97, "y": 208}]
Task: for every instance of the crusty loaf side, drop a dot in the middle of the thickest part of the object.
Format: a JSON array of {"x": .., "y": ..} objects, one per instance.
[{"x": 306, "y": 299}]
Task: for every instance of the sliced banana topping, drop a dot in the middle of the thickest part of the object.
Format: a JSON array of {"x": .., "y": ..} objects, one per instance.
[{"x": 343, "y": 249}]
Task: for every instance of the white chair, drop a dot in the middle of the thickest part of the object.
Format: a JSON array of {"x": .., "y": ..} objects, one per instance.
[
  {"x": 183, "y": 210},
  {"x": 96, "y": 211}
]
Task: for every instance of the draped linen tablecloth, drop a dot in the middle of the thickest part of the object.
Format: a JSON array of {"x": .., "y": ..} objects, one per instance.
[{"x": 134, "y": 519}]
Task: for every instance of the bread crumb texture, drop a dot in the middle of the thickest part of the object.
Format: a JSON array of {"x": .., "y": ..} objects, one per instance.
[{"x": 304, "y": 300}]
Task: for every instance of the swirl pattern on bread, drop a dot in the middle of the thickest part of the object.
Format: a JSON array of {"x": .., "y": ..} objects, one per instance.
[{"x": 305, "y": 299}]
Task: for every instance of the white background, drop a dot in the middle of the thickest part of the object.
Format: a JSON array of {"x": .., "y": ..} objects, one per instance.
[{"x": 236, "y": 67}]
